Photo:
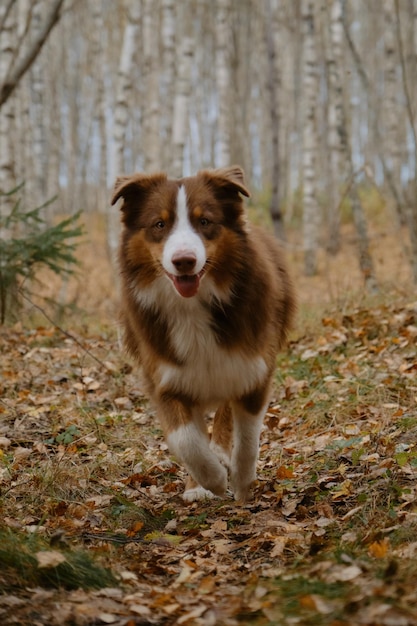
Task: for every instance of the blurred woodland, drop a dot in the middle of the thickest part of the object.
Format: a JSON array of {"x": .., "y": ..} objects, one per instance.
[{"x": 315, "y": 99}]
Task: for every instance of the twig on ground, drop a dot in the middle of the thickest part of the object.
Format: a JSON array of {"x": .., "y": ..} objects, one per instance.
[{"x": 62, "y": 330}]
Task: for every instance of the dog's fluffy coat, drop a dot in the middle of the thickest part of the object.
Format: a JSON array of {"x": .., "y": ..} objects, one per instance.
[{"x": 206, "y": 305}]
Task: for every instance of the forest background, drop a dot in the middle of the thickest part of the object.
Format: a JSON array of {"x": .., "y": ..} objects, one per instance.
[{"x": 317, "y": 101}]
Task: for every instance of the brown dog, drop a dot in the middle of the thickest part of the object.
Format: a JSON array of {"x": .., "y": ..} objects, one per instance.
[{"x": 207, "y": 303}]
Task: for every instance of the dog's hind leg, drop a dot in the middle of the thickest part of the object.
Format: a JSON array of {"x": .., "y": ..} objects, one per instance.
[{"x": 221, "y": 438}]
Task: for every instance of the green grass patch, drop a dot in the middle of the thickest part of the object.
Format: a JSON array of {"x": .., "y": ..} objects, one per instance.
[{"x": 28, "y": 560}]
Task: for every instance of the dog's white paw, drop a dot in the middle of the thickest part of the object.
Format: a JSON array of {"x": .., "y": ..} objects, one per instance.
[{"x": 197, "y": 493}]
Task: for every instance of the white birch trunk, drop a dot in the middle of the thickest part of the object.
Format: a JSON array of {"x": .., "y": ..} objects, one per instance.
[
  {"x": 180, "y": 125},
  {"x": 341, "y": 135},
  {"x": 223, "y": 79},
  {"x": 311, "y": 211},
  {"x": 150, "y": 124},
  {"x": 272, "y": 27},
  {"x": 123, "y": 96},
  {"x": 168, "y": 77},
  {"x": 101, "y": 103},
  {"x": 124, "y": 88},
  {"x": 337, "y": 170},
  {"x": 38, "y": 178},
  {"x": 7, "y": 112},
  {"x": 390, "y": 102}
]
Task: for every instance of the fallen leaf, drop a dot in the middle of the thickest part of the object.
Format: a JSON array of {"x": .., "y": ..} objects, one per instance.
[
  {"x": 379, "y": 549},
  {"x": 340, "y": 573},
  {"x": 49, "y": 558}
]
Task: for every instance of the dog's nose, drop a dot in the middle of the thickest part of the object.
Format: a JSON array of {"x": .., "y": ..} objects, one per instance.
[{"x": 184, "y": 263}]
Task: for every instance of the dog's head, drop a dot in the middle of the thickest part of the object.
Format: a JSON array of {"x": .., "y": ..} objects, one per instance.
[{"x": 181, "y": 228}]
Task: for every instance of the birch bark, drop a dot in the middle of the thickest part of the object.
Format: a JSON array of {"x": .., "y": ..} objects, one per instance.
[
  {"x": 180, "y": 124},
  {"x": 272, "y": 27},
  {"x": 223, "y": 79},
  {"x": 391, "y": 87},
  {"x": 168, "y": 76},
  {"x": 410, "y": 108},
  {"x": 123, "y": 97},
  {"x": 150, "y": 124},
  {"x": 365, "y": 258},
  {"x": 335, "y": 125},
  {"x": 38, "y": 178},
  {"x": 101, "y": 104},
  {"x": 311, "y": 211},
  {"x": 15, "y": 72},
  {"x": 7, "y": 52}
]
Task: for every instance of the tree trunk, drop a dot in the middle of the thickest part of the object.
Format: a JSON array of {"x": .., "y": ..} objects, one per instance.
[
  {"x": 390, "y": 100},
  {"x": 150, "y": 124},
  {"x": 311, "y": 211},
  {"x": 223, "y": 79},
  {"x": 365, "y": 259},
  {"x": 123, "y": 95},
  {"x": 168, "y": 76},
  {"x": 101, "y": 104},
  {"x": 10, "y": 81},
  {"x": 393, "y": 184},
  {"x": 410, "y": 108},
  {"x": 338, "y": 172},
  {"x": 7, "y": 117},
  {"x": 274, "y": 87},
  {"x": 182, "y": 96},
  {"x": 38, "y": 182}
]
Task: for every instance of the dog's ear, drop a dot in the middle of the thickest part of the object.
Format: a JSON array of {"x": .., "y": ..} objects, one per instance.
[
  {"x": 228, "y": 177},
  {"x": 134, "y": 187}
]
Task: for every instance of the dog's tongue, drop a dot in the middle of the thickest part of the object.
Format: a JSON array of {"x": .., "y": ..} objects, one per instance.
[{"x": 187, "y": 286}]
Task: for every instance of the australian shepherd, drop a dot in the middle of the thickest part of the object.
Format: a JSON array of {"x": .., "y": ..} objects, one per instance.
[{"x": 206, "y": 306}]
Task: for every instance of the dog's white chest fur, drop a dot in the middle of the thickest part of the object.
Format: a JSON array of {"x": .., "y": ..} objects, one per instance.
[{"x": 209, "y": 373}]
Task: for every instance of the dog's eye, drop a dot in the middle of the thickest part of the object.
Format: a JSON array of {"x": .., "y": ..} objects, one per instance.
[
  {"x": 204, "y": 221},
  {"x": 159, "y": 225}
]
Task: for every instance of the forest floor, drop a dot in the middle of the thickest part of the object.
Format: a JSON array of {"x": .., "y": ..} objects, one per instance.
[{"x": 93, "y": 529}]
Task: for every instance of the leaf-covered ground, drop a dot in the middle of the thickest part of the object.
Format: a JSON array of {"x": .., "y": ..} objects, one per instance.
[{"x": 92, "y": 526}]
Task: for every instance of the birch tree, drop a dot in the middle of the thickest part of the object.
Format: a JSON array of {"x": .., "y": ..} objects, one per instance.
[
  {"x": 38, "y": 179},
  {"x": 168, "y": 76},
  {"x": 391, "y": 119},
  {"x": 150, "y": 118},
  {"x": 412, "y": 118},
  {"x": 101, "y": 103},
  {"x": 272, "y": 27},
  {"x": 335, "y": 122},
  {"x": 311, "y": 211},
  {"x": 180, "y": 124},
  {"x": 122, "y": 104},
  {"x": 223, "y": 80},
  {"x": 7, "y": 166},
  {"x": 344, "y": 149},
  {"x": 21, "y": 59}
]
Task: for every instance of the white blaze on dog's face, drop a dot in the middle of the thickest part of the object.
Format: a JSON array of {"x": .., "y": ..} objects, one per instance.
[{"x": 184, "y": 253}]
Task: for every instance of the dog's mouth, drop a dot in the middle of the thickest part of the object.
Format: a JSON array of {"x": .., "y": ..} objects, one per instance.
[{"x": 187, "y": 285}]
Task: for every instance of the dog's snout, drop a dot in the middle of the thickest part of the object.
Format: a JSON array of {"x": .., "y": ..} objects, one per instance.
[{"x": 184, "y": 262}]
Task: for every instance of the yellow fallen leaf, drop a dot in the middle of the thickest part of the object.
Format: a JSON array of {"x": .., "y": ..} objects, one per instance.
[
  {"x": 379, "y": 549},
  {"x": 345, "y": 489}
]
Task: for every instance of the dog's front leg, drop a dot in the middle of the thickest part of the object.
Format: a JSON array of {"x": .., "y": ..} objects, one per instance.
[
  {"x": 187, "y": 438},
  {"x": 247, "y": 423}
]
